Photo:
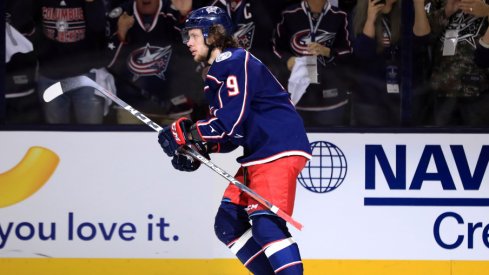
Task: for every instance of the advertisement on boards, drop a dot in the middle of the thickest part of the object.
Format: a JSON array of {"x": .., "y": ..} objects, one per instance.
[{"x": 361, "y": 196}]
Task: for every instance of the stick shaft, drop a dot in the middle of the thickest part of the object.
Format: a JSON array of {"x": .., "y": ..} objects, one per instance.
[{"x": 83, "y": 81}]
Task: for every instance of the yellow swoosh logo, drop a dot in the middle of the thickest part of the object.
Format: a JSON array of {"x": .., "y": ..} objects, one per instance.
[{"x": 28, "y": 176}]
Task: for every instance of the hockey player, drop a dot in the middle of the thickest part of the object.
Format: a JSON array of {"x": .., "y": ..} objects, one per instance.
[{"x": 250, "y": 109}]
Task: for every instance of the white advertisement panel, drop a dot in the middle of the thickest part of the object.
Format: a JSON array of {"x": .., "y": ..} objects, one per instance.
[
  {"x": 403, "y": 196},
  {"x": 362, "y": 196},
  {"x": 111, "y": 195}
]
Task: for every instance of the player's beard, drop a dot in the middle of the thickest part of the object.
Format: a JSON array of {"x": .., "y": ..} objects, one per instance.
[{"x": 203, "y": 57}]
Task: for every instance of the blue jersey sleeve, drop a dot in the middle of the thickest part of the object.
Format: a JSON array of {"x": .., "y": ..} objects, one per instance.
[{"x": 227, "y": 87}]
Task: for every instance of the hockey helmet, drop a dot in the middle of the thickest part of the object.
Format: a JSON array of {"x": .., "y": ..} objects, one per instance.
[{"x": 206, "y": 17}]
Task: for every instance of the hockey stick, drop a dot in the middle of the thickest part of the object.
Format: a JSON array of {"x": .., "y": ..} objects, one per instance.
[{"x": 72, "y": 83}]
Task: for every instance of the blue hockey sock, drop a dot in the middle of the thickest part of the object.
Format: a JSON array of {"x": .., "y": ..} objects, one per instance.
[
  {"x": 232, "y": 227},
  {"x": 285, "y": 258},
  {"x": 281, "y": 250},
  {"x": 251, "y": 254}
]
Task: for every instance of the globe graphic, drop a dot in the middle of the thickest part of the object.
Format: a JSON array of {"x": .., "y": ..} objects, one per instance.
[{"x": 326, "y": 170}]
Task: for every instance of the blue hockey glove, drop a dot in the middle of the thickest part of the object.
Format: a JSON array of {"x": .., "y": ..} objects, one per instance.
[
  {"x": 174, "y": 136},
  {"x": 187, "y": 163}
]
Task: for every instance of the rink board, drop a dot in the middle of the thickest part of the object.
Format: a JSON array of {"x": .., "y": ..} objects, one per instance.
[{"x": 405, "y": 204}]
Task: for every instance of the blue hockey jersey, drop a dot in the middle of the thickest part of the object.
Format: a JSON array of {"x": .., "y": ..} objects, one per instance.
[{"x": 250, "y": 108}]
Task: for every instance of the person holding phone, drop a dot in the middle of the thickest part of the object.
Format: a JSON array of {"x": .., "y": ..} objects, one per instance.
[
  {"x": 376, "y": 48},
  {"x": 461, "y": 86}
]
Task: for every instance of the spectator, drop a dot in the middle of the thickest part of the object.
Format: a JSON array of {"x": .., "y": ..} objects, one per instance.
[
  {"x": 315, "y": 32},
  {"x": 461, "y": 87},
  {"x": 377, "y": 32},
  {"x": 71, "y": 44},
  {"x": 181, "y": 8},
  {"x": 254, "y": 22},
  {"x": 22, "y": 102},
  {"x": 148, "y": 58}
]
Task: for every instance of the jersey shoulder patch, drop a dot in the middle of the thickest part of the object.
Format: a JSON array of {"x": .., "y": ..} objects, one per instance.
[{"x": 223, "y": 56}]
